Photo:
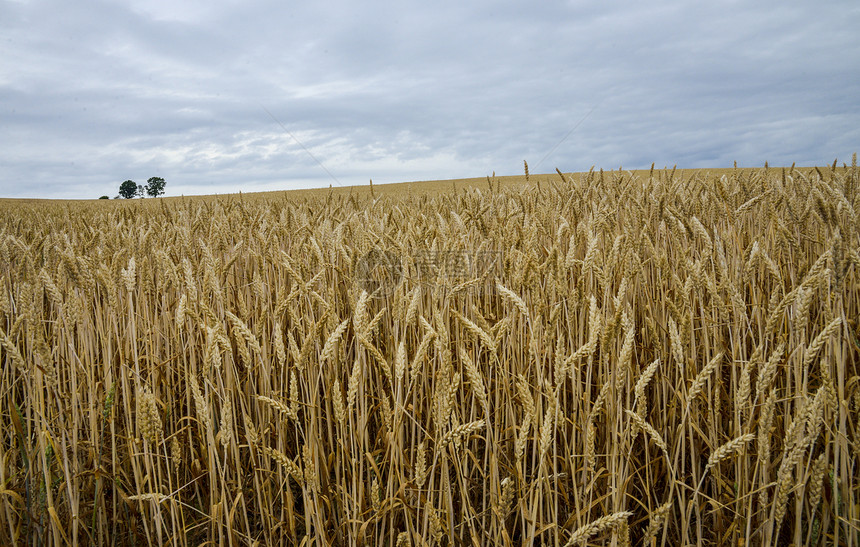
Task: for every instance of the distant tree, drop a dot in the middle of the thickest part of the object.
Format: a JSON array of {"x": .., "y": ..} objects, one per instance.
[
  {"x": 128, "y": 189},
  {"x": 140, "y": 191},
  {"x": 155, "y": 186},
  {"x": 104, "y": 197}
]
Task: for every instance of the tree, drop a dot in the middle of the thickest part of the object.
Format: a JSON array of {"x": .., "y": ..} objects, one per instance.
[
  {"x": 104, "y": 197},
  {"x": 128, "y": 189},
  {"x": 155, "y": 186},
  {"x": 140, "y": 191}
]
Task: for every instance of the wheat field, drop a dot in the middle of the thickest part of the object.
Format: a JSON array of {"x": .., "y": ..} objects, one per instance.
[{"x": 604, "y": 358}]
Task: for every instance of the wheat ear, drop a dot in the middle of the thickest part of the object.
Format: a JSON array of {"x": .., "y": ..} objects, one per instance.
[{"x": 581, "y": 535}]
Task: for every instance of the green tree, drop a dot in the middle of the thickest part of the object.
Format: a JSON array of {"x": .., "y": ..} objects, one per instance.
[
  {"x": 128, "y": 189},
  {"x": 155, "y": 186},
  {"x": 104, "y": 197}
]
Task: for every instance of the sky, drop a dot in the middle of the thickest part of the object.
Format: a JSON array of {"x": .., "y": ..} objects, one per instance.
[{"x": 224, "y": 96}]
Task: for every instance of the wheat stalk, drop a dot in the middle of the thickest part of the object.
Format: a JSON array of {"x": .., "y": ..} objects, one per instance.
[
  {"x": 148, "y": 416},
  {"x": 480, "y": 333},
  {"x": 514, "y": 298},
  {"x": 728, "y": 449},
  {"x": 476, "y": 381},
  {"x": 284, "y": 461},
  {"x": 280, "y": 406},
  {"x": 819, "y": 341},
  {"x": 330, "y": 346},
  {"x": 655, "y": 521},
  {"x": 767, "y": 373},
  {"x": 640, "y": 423},
  {"x": 460, "y": 432},
  {"x": 581, "y": 535},
  {"x": 699, "y": 382}
]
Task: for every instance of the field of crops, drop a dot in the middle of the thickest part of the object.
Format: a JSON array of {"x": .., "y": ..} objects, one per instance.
[{"x": 604, "y": 358}]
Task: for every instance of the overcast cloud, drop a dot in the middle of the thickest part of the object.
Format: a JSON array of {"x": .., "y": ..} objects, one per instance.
[{"x": 94, "y": 92}]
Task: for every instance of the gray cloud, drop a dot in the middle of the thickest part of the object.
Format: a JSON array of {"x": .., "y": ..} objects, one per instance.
[{"x": 98, "y": 91}]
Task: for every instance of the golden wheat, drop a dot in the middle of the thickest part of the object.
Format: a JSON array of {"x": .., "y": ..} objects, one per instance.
[{"x": 468, "y": 365}]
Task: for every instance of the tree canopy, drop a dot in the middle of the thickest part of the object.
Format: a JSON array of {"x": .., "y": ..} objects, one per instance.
[
  {"x": 155, "y": 186},
  {"x": 128, "y": 189}
]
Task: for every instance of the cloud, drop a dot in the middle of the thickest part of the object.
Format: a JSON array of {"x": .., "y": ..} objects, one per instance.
[{"x": 104, "y": 90}]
